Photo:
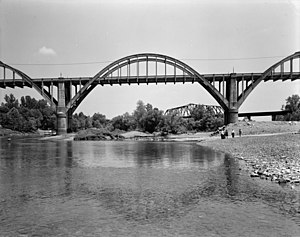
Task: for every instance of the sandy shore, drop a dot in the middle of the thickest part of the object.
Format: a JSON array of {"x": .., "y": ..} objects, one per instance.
[{"x": 65, "y": 137}]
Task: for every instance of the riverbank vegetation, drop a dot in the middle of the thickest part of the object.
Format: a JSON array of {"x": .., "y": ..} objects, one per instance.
[
  {"x": 293, "y": 105},
  {"x": 30, "y": 114},
  {"x": 26, "y": 116},
  {"x": 146, "y": 118}
]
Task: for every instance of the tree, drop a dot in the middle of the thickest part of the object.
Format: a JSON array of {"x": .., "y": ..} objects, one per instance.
[
  {"x": 11, "y": 102},
  {"x": 99, "y": 120},
  {"x": 75, "y": 124},
  {"x": 88, "y": 122},
  {"x": 28, "y": 102},
  {"x": 81, "y": 119},
  {"x": 48, "y": 120},
  {"x": 139, "y": 114},
  {"x": 147, "y": 119},
  {"x": 152, "y": 119},
  {"x": 172, "y": 123},
  {"x": 205, "y": 119},
  {"x": 293, "y": 105},
  {"x": 123, "y": 122},
  {"x": 119, "y": 123},
  {"x": 27, "y": 116},
  {"x": 13, "y": 120},
  {"x": 198, "y": 112}
]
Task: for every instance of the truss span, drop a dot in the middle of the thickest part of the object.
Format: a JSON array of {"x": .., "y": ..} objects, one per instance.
[
  {"x": 185, "y": 110},
  {"x": 146, "y": 68}
]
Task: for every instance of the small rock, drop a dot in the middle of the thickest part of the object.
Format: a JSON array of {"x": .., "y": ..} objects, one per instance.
[
  {"x": 254, "y": 175},
  {"x": 282, "y": 181}
]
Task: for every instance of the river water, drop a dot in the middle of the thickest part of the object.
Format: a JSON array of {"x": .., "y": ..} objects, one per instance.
[{"x": 135, "y": 188}]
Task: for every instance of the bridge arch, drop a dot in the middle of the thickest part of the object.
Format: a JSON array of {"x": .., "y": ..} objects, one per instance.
[
  {"x": 26, "y": 81},
  {"x": 268, "y": 74},
  {"x": 111, "y": 74}
]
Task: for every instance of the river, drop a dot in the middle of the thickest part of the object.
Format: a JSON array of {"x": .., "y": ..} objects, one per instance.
[{"x": 135, "y": 188}]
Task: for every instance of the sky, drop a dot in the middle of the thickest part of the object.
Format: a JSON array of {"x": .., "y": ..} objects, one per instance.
[{"x": 79, "y": 38}]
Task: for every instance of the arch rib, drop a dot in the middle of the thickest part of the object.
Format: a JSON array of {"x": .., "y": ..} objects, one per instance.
[
  {"x": 267, "y": 73},
  {"x": 28, "y": 80},
  {"x": 117, "y": 66}
]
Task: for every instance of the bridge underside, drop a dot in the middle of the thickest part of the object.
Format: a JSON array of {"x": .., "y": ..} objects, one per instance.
[{"x": 273, "y": 114}]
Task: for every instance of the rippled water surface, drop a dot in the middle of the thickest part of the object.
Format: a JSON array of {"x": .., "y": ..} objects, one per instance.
[{"x": 132, "y": 188}]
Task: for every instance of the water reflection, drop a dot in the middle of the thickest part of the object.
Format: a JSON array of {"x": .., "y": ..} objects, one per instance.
[
  {"x": 145, "y": 154},
  {"x": 35, "y": 168},
  {"x": 231, "y": 173},
  {"x": 77, "y": 187}
]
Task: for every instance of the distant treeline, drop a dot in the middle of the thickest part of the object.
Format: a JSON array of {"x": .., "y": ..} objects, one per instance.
[
  {"x": 30, "y": 114},
  {"x": 146, "y": 118}
]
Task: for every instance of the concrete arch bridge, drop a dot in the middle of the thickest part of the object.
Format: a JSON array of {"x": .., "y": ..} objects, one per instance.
[{"x": 229, "y": 90}]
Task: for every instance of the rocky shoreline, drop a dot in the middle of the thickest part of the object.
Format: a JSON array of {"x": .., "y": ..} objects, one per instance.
[{"x": 274, "y": 157}]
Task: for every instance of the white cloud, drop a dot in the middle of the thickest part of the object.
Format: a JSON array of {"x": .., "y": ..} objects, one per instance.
[{"x": 47, "y": 51}]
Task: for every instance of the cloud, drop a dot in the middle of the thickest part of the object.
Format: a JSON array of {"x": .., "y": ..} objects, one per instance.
[{"x": 47, "y": 51}]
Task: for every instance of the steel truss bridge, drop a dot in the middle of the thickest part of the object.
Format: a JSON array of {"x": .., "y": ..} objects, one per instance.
[
  {"x": 185, "y": 110},
  {"x": 229, "y": 90}
]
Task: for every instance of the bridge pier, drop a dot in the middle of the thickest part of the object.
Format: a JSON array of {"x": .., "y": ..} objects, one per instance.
[
  {"x": 69, "y": 121},
  {"x": 61, "y": 111},
  {"x": 231, "y": 114},
  {"x": 61, "y": 121}
]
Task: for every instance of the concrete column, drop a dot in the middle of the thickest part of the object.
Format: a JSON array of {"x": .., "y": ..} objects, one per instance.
[
  {"x": 68, "y": 96},
  {"x": 231, "y": 114},
  {"x": 61, "y": 111}
]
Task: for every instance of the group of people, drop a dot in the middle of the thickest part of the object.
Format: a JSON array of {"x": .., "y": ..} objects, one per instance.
[{"x": 224, "y": 133}]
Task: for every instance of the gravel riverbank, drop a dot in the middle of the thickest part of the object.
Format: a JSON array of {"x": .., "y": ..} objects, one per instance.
[{"x": 273, "y": 157}]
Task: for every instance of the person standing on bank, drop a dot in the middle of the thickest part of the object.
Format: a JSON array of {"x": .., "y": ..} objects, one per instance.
[
  {"x": 240, "y": 132},
  {"x": 226, "y": 133},
  {"x": 232, "y": 133},
  {"x": 222, "y": 134}
]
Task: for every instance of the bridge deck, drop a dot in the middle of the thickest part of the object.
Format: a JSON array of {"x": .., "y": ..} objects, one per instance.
[
  {"x": 266, "y": 113},
  {"x": 113, "y": 80}
]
